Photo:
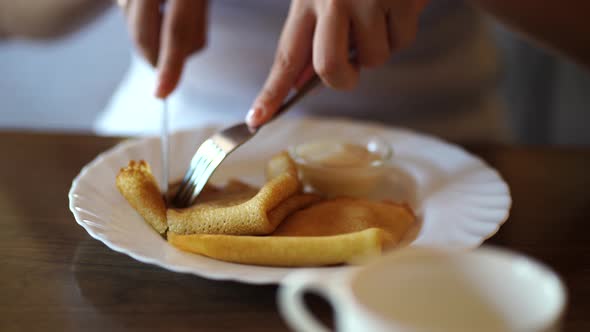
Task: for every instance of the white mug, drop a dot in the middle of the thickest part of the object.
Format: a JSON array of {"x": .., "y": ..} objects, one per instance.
[{"x": 421, "y": 289}]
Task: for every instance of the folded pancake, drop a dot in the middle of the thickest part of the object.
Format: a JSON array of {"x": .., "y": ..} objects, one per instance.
[
  {"x": 288, "y": 251},
  {"x": 139, "y": 187},
  {"x": 304, "y": 230},
  {"x": 232, "y": 192},
  {"x": 346, "y": 215},
  {"x": 291, "y": 205},
  {"x": 242, "y": 212},
  {"x": 335, "y": 231}
]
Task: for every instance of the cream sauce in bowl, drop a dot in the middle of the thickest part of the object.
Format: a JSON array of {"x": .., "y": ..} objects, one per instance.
[{"x": 342, "y": 168}]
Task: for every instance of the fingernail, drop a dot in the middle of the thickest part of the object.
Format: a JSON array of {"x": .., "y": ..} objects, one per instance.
[
  {"x": 160, "y": 91},
  {"x": 254, "y": 116},
  {"x": 251, "y": 118}
]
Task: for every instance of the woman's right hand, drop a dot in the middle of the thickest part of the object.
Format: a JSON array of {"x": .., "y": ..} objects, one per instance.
[
  {"x": 166, "y": 38},
  {"x": 318, "y": 35}
]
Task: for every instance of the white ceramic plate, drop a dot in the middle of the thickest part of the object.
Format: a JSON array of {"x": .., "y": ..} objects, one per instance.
[{"x": 459, "y": 199}]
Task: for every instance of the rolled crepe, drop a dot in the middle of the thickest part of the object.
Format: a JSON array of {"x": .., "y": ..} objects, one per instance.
[
  {"x": 335, "y": 231},
  {"x": 305, "y": 232},
  {"x": 139, "y": 187},
  {"x": 241, "y": 213},
  {"x": 284, "y": 250},
  {"x": 346, "y": 215}
]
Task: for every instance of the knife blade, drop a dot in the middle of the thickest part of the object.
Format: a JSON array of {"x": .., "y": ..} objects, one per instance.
[{"x": 164, "y": 148}]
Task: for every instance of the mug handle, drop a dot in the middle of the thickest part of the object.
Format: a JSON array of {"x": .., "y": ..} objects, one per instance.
[{"x": 292, "y": 306}]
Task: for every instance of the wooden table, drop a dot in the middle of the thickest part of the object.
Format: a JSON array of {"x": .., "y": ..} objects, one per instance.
[{"x": 54, "y": 277}]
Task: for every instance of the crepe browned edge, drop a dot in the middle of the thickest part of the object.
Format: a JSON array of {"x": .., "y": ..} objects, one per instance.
[
  {"x": 286, "y": 251},
  {"x": 241, "y": 215},
  {"x": 139, "y": 187}
]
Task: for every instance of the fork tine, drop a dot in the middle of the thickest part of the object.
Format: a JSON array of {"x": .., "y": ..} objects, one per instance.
[
  {"x": 208, "y": 154},
  {"x": 192, "y": 184},
  {"x": 204, "y": 153},
  {"x": 214, "y": 156},
  {"x": 188, "y": 182},
  {"x": 205, "y": 175},
  {"x": 182, "y": 190},
  {"x": 191, "y": 168},
  {"x": 195, "y": 167},
  {"x": 201, "y": 151}
]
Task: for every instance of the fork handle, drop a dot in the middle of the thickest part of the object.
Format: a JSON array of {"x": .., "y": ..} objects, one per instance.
[{"x": 295, "y": 96}]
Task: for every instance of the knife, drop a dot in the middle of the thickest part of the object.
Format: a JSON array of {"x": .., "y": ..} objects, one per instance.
[{"x": 164, "y": 148}]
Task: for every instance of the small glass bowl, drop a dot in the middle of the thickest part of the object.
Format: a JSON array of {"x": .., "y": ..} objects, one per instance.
[{"x": 347, "y": 179}]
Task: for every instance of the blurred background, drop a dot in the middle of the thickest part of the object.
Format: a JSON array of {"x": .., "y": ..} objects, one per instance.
[{"x": 63, "y": 78}]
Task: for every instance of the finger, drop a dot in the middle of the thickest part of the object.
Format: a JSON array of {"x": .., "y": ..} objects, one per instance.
[
  {"x": 293, "y": 53},
  {"x": 200, "y": 24},
  {"x": 420, "y": 5},
  {"x": 305, "y": 76},
  {"x": 403, "y": 23},
  {"x": 124, "y": 5},
  {"x": 371, "y": 36},
  {"x": 330, "y": 48},
  {"x": 144, "y": 21},
  {"x": 183, "y": 32},
  {"x": 402, "y": 31}
]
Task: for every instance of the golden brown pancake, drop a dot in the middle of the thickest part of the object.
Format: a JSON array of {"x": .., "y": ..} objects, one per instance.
[
  {"x": 335, "y": 231},
  {"x": 291, "y": 205},
  {"x": 284, "y": 250},
  {"x": 138, "y": 185},
  {"x": 306, "y": 231},
  {"x": 346, "y": 215},
  {"x": 281, "y": 164},
  {"x": 242, "y": 212}
]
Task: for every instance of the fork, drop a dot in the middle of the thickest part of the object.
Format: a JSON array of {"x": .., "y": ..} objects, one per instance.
[{"x": 217, "y": 147}]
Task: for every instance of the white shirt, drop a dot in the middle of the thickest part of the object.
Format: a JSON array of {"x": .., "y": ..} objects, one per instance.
[{"x": 451, "y": 69}]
